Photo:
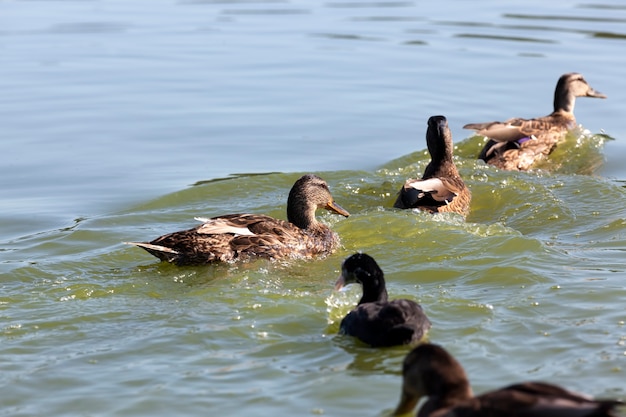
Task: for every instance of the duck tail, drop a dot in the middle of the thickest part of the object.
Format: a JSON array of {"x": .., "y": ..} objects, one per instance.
[
  {"x": 403, "y": 335},
  {"x": 607, "y": 408},
  {"x": 162, "y": 252}
]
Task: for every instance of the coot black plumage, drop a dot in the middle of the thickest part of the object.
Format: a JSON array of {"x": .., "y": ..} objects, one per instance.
[{"x": 376, "y": 320}]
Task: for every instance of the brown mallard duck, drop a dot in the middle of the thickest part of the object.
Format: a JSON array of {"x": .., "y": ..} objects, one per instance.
[
  {"x": 441, "y": 188},
  {"x": 516, "y": 144},
  {"x": 430, "y": 371},
  {"x": 376, "y": 320},
  {"x": 235, "y": 237}
]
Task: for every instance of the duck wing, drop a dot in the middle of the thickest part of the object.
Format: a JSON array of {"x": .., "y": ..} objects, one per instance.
[
  {"x": 514, "y": 129},
  {"x": 508, "y": 131},
  {"x": 432, "y": 192},
  {"x": 230, "y": 237},
  {"x": 259, "y": 236},
  {"x": 396, "y": 322},
  {"x": 532, "y": 399},
  {"x": 242, "y": 225}
]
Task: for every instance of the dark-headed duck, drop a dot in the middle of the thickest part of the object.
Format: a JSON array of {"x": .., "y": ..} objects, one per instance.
[
  {"x": 430, "y": 371},
  {"x": 441, "y": 188},
  {"x": 376, "y": 320}
]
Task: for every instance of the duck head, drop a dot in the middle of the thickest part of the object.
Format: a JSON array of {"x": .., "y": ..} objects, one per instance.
[
  {"x": 439, "y": 138},
  {"x": 361, "y": 268},
  {"x": 430, "y": 371},
  {"x": 569, "y": 87},
  {"x": 308, "y": 194}
]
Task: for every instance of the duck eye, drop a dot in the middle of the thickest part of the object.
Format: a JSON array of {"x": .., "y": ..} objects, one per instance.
[{"x": 324, "y": 187}]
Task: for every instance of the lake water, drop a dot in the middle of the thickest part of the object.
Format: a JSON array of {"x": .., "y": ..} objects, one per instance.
[{"x": 124, "y": 120}]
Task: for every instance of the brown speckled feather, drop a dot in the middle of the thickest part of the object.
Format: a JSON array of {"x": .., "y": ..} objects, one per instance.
[
  {"x": 441, "y": 188},
  {"x": 244, "y": 236},
  {"x": 516, "y": 144},
  {"x": 430, "y": 371}
]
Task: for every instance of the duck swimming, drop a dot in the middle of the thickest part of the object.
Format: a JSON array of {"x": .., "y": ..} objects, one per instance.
[
  {"x": 441, "y": 188},
  {"x": 430, "y": 371},
  {"x": 516, "y": 144},
  {"x": 375, "y": 320},
  {"x": 236, "y": 237}
]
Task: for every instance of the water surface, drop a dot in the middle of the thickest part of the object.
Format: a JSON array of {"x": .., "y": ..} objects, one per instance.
[{"x": 123, "y": 121}]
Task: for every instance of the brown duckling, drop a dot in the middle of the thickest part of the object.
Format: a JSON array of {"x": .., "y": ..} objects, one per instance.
[
  {"x": 441, "y": 188},
  {"x": 236, "y": 237},
  {"x": 430, "y": 371},
  {"x": 516, "y": 144},
  {"x": 376, "y": 320}
]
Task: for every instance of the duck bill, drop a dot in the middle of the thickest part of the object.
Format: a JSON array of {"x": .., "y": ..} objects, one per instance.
[
  {"x": 341, "y": 282},
  {"x": 336, "y": 208},
  {"x": 406, "y": 405},
  {"x": 594, "y": 93}
]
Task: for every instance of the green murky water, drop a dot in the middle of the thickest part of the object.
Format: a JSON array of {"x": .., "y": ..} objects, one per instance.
[
  {"x": 111, "y": 110},
  {"x": 529, "y": 287}
]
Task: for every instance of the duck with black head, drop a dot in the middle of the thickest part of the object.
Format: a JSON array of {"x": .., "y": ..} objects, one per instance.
[{"x": 376, "y": 320}]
